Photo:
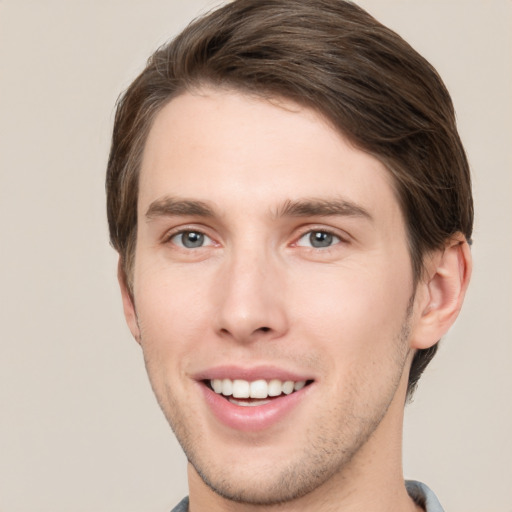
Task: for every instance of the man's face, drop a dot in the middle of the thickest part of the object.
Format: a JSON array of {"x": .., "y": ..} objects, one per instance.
[{"x": 269, "y": 249}]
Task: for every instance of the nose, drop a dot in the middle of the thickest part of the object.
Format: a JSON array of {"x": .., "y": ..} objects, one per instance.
[{"x": 250, "y": 298}]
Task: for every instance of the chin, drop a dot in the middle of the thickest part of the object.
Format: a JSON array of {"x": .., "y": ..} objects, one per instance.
[
  {"x": 270, "y": 476},
  {"x": 264, "y": 486}
]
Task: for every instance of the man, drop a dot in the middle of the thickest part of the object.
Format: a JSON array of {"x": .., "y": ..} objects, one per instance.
[{"x": 291, "y": 204}]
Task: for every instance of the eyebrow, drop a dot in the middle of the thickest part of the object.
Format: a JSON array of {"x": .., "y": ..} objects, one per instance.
[
  {"x": 170, "y": 207},
  {"x": 322, "y": 208}
]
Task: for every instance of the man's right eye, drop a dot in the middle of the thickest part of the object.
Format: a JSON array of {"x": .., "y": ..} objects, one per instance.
[{"x": 191, "y": 239}]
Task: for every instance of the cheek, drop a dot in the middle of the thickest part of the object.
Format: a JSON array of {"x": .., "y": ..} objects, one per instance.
[
  {"x": 172, "y": 312},
  {"x": 355, "y": 321},
  {"x": 364, "y": 307},
  {"x": 171, "y": 321}
]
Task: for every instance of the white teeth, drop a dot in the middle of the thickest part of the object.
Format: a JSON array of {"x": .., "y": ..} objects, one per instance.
[
  {"x": 217, "y": 386},
  {"x": 227, "y": 387},
  {"x": 288, "y": 387},
  {"x": 299, "y": 385},
  {"x": 275, "y": 387},
  {"x": 241, "y": 389},
  {"x": 248, "y": 404},
  {"x": 259, "y": 389}
]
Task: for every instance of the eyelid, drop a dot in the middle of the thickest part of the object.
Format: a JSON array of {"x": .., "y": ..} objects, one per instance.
[
  {"x": 343, "y": 236},
  {"x": 208, "y": 242},
  {"x": 335, "y": 239},
  {"x": 195, "y": 228},
  {"x": 304, "y": 230}
]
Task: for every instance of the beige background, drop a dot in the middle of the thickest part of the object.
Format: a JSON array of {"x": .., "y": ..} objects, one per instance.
[{"x": 79, "y": 427}]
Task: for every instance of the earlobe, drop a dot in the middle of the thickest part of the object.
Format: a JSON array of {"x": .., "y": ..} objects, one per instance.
[
  {"x": 128, "y": 304},
  {"x": 442, "y": 292}
]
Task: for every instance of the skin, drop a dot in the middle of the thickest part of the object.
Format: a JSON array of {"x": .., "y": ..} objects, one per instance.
[{"x": 257, "y": 292}]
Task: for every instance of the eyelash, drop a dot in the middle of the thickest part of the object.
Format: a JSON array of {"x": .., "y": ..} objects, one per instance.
[
  {"x": 309, "y": 231},
  {"x": 180, "y": 232}
]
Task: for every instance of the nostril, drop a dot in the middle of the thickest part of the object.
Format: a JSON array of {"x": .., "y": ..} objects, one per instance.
[{"x": 264, "y": 329}]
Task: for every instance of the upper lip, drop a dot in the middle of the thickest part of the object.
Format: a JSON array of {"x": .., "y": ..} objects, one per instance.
[{"x": 266, "y": 372}]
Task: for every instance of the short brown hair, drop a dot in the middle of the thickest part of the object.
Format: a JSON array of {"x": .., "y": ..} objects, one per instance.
[{"x": 329, "y": 55}]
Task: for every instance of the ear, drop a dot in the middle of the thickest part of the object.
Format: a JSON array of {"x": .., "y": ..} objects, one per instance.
[
  {"x": 440, "y": 294},
  {"x": 128, "y": 304}
]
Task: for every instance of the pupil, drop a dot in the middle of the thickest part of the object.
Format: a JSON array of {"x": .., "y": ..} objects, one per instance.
[
  {"x": 320, "y": 239},
  {"x": 192, "y": 239}
]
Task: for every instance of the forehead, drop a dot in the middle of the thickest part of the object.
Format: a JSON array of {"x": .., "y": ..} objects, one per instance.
[{"x": 229, "y": 148}]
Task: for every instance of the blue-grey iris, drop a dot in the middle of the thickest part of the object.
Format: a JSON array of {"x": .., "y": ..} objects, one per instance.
[
  {"x": 320, "y": 239},
  {"x": 192, "y": 239}
]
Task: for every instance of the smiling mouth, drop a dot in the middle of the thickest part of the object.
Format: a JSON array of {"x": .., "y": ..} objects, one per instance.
[{"x": 254, "y": 393}]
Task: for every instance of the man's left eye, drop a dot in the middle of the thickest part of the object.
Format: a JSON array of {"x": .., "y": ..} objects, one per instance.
[
  {"x": 191, "y": 239},
  {"x": 318, "y": 239}
]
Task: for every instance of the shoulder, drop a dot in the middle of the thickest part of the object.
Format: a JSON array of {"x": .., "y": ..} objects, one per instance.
[
  {"x": 423, "y": 496},
  {"x": 182, "y": 506}
]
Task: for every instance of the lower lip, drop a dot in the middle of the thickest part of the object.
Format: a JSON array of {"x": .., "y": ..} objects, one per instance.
[{"x": 252, "y": 418}]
